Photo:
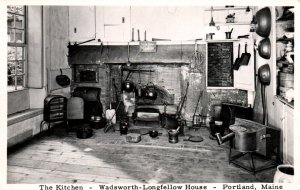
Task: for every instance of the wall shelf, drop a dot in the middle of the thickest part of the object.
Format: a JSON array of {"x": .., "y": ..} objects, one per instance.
[
  {"x": 229, "y": 8},
  {"x": 232, "y": 23}
]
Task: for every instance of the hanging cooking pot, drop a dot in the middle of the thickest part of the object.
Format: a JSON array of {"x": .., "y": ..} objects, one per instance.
[
  {"x": 264, "y": 48},
  {"x": 63, "y": 80},
  {"x": 139, "y": 90},
  {"x": 264, "y": 74},
  {"x": 151, "y": 92},
  {"x": 263, "y": 18},
  {"x": 127, "y": 86}
]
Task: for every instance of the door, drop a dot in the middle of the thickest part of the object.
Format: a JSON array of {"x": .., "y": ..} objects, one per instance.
[
  {"x": 289, "y": 135},
  {"x": 279, "y": 122}
]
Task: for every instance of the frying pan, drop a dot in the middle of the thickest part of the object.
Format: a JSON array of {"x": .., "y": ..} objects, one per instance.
[
  {"x": 194, "y": 139},
  {"x": 152, "y": 132},
  {"x": 245, "y": 57},
  {"x": 236, "y": 64},
  {"x": 63, "y": 80},
  {"x": 264, "y": 76},
  {"x": 263, "y": 18},
  {"x": 264, "y": 48}
]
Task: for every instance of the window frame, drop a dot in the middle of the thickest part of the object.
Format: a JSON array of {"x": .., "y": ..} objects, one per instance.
[{"x": 24, "y": 46}]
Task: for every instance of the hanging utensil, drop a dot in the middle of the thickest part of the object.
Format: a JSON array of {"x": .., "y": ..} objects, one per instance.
[
  {"x": 196, "y": 118},
  {"x": 245, "y": 57},
  {"x": 264, "y": 48},
  {"x": 173, "y": 121},
  {"x": 139, "y": 88},
  {"x": 127, "y": 85},
  {"x": 237, "y": 61},
  {"x": 263, "y": 18},
  {"x": 151, "y": 92},
  {"x": 63, "y": 80},
  {"x": 265, "y": 79},
  {"x": 110, "y": 113}
]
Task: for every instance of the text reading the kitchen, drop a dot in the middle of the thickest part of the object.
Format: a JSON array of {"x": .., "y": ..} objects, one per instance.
[{"x": 60, "y": 187}]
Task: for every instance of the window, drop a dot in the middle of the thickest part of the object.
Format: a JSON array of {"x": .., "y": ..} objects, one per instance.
[{"x": 16, "y": 47}]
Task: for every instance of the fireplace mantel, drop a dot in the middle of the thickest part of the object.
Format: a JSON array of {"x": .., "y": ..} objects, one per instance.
[{"x": 179, "y": 53}]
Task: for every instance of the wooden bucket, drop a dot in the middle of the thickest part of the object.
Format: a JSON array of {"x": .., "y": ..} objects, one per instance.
[{"x": 286, "y": 80}]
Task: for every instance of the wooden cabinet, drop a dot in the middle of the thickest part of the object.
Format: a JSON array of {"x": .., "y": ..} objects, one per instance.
[
  {"x": 113, "y": 23},
  {"x": 284, "y": 120},
  {"x": 82, "y": 23},
  {"x": 289, "y": 135}
]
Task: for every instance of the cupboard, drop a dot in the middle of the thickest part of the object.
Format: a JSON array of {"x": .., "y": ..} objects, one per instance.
[
  {"x": 82, "y": 23},
  {"x": 284, "y": 119}
]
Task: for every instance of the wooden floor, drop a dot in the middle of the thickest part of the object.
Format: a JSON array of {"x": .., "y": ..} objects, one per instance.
[{"x": 108, "y": 158}]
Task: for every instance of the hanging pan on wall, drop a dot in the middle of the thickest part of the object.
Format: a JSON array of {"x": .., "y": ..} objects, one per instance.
[
  {"x": 127, "y": 85},
  {"x": 63, "y": 80},
  {"x": 264, "y": 48},
  {"x": 264, "y": 76},
  {"x": 263, "y": 18},
  {"x": 245, "y": 57}
]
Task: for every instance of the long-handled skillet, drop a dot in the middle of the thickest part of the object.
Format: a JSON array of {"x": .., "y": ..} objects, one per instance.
[{"x": 194, "y": 139}]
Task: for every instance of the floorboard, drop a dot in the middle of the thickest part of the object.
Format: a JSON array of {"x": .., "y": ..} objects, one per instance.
[{"x": 108, "y": 158}]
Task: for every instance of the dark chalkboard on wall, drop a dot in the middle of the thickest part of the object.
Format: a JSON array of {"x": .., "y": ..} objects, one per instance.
[{"x": 219, "y": 64}]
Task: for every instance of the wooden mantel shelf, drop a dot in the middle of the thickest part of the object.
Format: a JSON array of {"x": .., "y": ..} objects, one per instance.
[{"x": 166, "y": 53}]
